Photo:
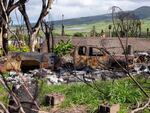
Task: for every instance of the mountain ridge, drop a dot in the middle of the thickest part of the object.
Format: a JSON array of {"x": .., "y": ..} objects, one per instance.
[{"x": 141, "y": 12}]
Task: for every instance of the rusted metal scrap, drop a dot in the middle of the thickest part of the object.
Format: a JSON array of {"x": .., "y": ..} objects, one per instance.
[
  {"x": 10, "y": 63},
  {"x": 20, "y": 60},
  {"x": 141, "y": 57},
  {"x": 116, "y": 61}
]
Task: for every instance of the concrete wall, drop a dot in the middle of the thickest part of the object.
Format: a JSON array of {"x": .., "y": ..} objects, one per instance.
[{"x": 112, "y": 44}]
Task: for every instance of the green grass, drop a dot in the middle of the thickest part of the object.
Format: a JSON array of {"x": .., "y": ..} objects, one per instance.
[
  {"x": 3, "y": 95},
  {"x": 86, "y": 28},
  {"x": 98, "y": 25},
  {"x": 122, "y": 91}
]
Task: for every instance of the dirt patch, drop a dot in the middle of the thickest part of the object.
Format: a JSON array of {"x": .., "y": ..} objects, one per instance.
[{"x": 75, "y": 109}]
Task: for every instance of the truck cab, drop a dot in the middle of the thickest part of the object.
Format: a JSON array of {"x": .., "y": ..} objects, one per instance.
[{"x": 90, "y": 56}]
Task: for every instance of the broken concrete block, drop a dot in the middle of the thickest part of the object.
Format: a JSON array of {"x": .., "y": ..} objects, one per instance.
[
  {"x": 54, "y": 99},
  {"x": 109, "y": 109}
]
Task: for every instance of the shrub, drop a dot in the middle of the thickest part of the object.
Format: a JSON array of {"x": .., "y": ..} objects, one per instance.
[
  {"x": 78, "y": 34},
  {"x": 13, "y": 48},
  {"x": 63, "y": 48},
  {"x": 25, "y": 48}
]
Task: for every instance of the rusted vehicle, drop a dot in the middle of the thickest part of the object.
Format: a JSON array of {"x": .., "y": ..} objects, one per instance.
[
  {"x": 90, "y": 56},
  {"x": 97, "y": 58},
  {"x": 20, "y": 61}
]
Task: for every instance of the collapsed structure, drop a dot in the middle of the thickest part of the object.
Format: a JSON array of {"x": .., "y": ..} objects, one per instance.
[
  {"x": 96, "y": 51},
  {"x": 92, "y": 52}
]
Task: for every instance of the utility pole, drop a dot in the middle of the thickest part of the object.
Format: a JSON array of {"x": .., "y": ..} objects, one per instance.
[
  {"x": 147, "y": 32},
  {"x": 94, "y": 31},
  {"x": 62, "y": 32},
  {"x": 109, "y": 27}
]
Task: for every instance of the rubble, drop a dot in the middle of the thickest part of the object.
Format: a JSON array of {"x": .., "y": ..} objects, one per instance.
[
  {"x": 67, "y": 74},
  {"x": 53, "y": 79},
  {"x": 64, "y": 75}
]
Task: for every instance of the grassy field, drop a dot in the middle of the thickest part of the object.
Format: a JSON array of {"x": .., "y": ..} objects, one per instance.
[
  {"x": 122, "y": 91},
  {"x": 86, "y": 28}
]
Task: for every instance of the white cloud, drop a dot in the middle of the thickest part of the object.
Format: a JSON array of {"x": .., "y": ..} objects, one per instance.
[{"x": 81, "y": 8}]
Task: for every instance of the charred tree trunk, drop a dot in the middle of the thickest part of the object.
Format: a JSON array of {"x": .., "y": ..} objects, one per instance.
[
  {"x": 5, "y": 40},
  {"x": 1, "y": 39},
  {"x": 49, "y": 36},
  {"x": 6, "y": 7},
  {"x": 32, "y": 37},
  {"x": 33, "y": 30},
  {"x": 4, "y": 26},
  {"x": 52, "y": 37}
]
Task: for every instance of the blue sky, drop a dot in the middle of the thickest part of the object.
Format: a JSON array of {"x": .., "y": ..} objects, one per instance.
[{"x": 79, "y": 8}]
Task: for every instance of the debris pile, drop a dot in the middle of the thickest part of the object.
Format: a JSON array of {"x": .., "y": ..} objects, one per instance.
[
  {"x": 62, "y": 76},
  {"x": 65, "y": 74}
]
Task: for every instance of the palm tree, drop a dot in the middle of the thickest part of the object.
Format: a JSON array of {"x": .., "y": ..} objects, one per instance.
[{"x": 109, "y": 27}]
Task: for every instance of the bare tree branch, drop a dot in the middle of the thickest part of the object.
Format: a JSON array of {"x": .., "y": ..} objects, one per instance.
[
  {"x": 141, "y": 108},
  {"x": 44, "y": 12},
  {"x": 22, "y": 9},
  {"x": 4, "y": 11},
  {"x": 33, "y": 30},
  {"x": 4, "y": 108},
  {"x": 12, "y": 6}
]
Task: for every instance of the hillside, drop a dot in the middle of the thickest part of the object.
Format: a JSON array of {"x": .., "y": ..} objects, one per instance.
[
  {"x": 84, "y": 20},
  {"x": 142, "y": 13}
]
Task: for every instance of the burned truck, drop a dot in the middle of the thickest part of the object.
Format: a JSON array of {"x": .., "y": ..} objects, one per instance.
[{"x": 96, "y": 58}]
